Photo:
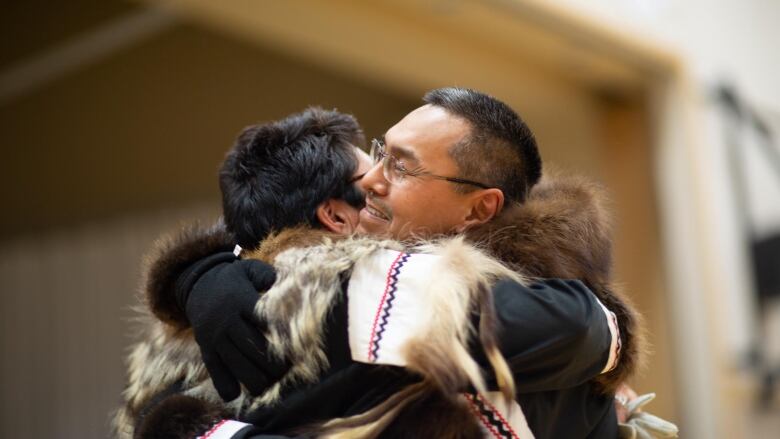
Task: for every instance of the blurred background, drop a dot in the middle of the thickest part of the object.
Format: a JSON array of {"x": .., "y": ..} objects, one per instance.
[{"x": 115, "y": 115}]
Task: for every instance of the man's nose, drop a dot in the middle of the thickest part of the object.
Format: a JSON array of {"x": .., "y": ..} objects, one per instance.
[{"x": 375, "y": 181}]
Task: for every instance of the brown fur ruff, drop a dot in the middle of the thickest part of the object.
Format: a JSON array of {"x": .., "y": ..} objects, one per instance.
[
  {"x": 564, "y": 231},
  {"x": 170, "y": 256},
  {"x": 296, "y": 237},
  {"x": 180, "y": 416}
]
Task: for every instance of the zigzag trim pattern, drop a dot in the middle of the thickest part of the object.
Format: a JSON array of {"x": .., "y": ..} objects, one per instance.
[
  {"x": 490, "y": 418},
  {"x": 385, "y": 304}
]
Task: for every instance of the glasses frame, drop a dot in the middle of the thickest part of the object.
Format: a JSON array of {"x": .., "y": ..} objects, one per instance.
[{"x": 390, "y": 164}]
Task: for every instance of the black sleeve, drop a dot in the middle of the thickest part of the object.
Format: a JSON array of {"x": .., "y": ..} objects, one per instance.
[{"x": 553, "y": 333}]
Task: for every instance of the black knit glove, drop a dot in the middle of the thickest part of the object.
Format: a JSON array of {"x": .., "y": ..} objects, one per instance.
[{"x": 219, "y": 294}]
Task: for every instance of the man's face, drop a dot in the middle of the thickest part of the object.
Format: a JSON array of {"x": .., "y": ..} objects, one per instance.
[{"x": 417, "y": 206}]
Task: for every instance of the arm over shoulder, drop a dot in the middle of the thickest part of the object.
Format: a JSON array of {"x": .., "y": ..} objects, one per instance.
[{"x": 554, "y": 333}]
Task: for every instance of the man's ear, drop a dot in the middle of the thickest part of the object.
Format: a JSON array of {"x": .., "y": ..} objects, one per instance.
[
  {"x": 337, "y": 216},
  {"x": 486, "y": 205}
]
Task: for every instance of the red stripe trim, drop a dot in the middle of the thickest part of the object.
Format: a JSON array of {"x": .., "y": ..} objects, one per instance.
[
  {"x": 214, "y": 429},
  {"x": 388, "y": 280},
  {"x": 498, "y": 413},
  {"x": 481, "y": 418}
]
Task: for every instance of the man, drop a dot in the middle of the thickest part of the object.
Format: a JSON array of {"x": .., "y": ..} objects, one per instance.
[{"x": 419, "y": 169}]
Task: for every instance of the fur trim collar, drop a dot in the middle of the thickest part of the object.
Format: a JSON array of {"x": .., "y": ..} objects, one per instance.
[
  {"x": 170, "y": 256},
  {"x": 564, "y": 231}
]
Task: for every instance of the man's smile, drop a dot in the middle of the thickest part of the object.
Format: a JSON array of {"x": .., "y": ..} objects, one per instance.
[{"x": 376, "y": 213}]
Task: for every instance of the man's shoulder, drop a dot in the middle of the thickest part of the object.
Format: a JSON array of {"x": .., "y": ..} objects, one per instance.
[{"x": 561, "y": 231}]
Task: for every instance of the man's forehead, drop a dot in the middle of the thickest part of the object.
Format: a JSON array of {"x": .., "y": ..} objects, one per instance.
[{"x": 427, "y": 130}]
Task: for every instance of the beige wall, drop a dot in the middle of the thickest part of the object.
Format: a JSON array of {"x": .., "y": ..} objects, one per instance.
[
  {"x": 66, "y": 322},
  {"x": 149, "y": 126}
]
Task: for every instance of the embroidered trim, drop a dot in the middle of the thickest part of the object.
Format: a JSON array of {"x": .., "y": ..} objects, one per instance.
[
  {"x": 224, "y": 429},
  {"x": 214, "y": 429},
  {"x": 385, "y": 304},
  {"x": 490, "y": 417}
]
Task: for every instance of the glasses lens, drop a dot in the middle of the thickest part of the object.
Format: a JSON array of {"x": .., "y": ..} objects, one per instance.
[{"x": 388, "y": 168}]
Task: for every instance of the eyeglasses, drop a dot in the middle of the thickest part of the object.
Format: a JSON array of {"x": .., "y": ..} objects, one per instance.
[{"x": 395, "y": 171}]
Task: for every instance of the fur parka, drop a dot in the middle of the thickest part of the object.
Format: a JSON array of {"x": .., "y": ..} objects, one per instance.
[{"x": 562, "y": 231}]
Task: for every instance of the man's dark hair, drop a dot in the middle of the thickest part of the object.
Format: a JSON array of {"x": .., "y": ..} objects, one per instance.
[
  {"x": 277, "y": 173},
  {"x": 499, "y": 151}
]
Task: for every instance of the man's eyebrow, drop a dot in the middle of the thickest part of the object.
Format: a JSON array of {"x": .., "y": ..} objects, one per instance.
[{"x": 401, "y": 152}]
